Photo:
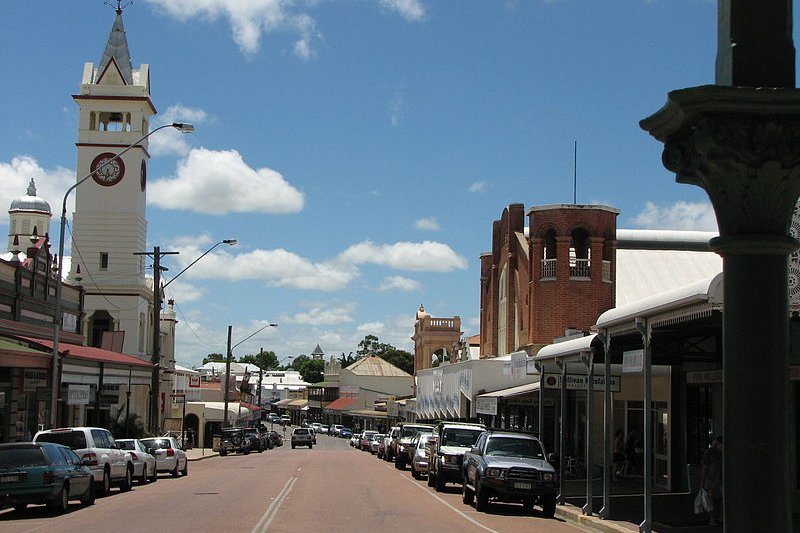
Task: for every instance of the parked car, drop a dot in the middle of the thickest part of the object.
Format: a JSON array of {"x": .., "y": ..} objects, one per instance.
[
  {"x": 286, "y": 420},
  {"x": 144, "y": 464},
  {"x": 335, "y": 429},
  {"x": 258, "y": 443},
  {"x": 324, "y": 429},
  {"x": 345, "y": 433},
  {"x": 169, "y": 455},
  {"x": 274, "y": 418},
  {"x": 275, "y": 437},
  {"x": 110, "y": 465},
  {"x": 391, "y": 444},
  {"x": 405, "y": 432},
  {"x": 355, "y": 439},
  {"x": 35, "y": 473},
  {"x": 375, "y": 443},
  {"x": 509, "y": 467},
  {"x": 382, "y": 446},
  {"x": 313, "y": 434},
  {"x": 302, "y": 437},
  {"x": 366, "y": 438},
  {"x": 451, "y": 440},
  {"x": 233, "y": 440},
  {"x": 419, "y": 462}
]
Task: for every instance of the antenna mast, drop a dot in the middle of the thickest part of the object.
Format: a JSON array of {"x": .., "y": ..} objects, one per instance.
[{"x": 575, "y": 173}]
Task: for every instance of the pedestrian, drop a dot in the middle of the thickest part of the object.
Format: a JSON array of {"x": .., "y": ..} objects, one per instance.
[
  {"x": 711, "y": 478},
  {"x": 618, "y": 454}
]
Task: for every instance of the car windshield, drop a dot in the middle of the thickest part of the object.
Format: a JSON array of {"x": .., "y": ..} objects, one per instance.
[
  {"x": 514, "y": 447},
  {"x": 159, "y": 444},
  {"x": 462, "y": 437},
  {"x": 22, "y": 457},
  {"x": 423, "y": 440},
  {"x": 71, "y": 439}
]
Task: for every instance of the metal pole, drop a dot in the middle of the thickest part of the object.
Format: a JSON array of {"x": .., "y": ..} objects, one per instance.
[
  {"x": 227, "y": 378},
  {"x": 643, "y": 328},
  {"x": 588, "y": 442},
  {"x": 605, "y": 511},
  {"x": 562, "y": 431},
  {"x": 128, "y": 405},
  {"x": 155, "y": 417}
]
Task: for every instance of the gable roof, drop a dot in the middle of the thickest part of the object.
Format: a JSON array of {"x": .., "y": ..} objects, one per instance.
[{"x": 372, "y": 365}]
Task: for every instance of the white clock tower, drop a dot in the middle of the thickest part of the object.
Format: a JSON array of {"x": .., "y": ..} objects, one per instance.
[{"x": 109, "y": 219}]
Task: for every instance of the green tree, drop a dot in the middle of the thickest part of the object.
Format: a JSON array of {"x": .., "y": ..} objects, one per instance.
[
  {"x": 402, "y": 359},
  {"x": 263, "y": 360},
  {"x": 368, "y": 346},
  {"x": 347, "y": 360},
  {"x": 215, "y": 358},
  {"x": 312, "y": 370},
  {"x": 298, "y": 361}
]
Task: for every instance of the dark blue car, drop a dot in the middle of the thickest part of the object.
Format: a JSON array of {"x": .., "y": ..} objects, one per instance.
[
  {"x": 44, "y": 472},
  {"x": 345, "y": 433}
]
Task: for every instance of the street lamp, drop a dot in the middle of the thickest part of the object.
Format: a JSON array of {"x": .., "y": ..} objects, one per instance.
[
  {"x": 287, "y": 358},
  {"x": 180, "y": 126},
  {"x": 155, "y": 384},
  {"x": 228, "y": 365}
]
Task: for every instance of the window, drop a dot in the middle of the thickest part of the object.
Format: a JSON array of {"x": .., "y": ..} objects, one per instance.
[
  {"x": 103, "y": 261},
  {"x": 502, "y": 315}
]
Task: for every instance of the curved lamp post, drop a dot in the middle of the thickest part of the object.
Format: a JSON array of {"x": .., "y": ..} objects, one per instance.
[
  {"x": 155, "y": 382},
  {"x": 56, "y": 385},
  {"x": 228, "y": 365}
]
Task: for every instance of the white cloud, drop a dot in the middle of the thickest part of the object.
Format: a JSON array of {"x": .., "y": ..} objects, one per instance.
[
  {"x": 425, "y": 256},
  {"x": 370, "y": 328},
  {"x": 429, "y": 223},
  {"x": 680, "y": 216},
  {"x": 478, "y": 186},
  {"x": 170, "y": 140},
  {"x": 396, "y": 108},
  {"x": 411, "y": 10},
  {"x": 184, "y": 292},
  {"x": 50, "y": 184},
  {"x": 321, "y": 315},
  {"x": 218, "y": 182},
  {"x": 399, "y": 283}
]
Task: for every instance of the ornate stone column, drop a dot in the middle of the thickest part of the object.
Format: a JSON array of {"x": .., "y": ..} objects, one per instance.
[{"x": 742, "y": 146}]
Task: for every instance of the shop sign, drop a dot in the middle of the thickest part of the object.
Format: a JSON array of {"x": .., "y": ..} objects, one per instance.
[
  {"x": 709, "y": 376},
  {"x": 632, "y": 361},
  {"x": 194, "y": 380},
  {"x": 78, "y": 394},
  {"x": 109, "y": 394},
  {"x": 578, "y": 382},
  {"x": 523, "y": 401},
  {"x": 32, "y": 378},
  {"x": 486, "y": 405}
]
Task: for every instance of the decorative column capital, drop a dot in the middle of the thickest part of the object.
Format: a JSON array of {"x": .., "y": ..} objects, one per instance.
[{"x": 742, "y": 146}]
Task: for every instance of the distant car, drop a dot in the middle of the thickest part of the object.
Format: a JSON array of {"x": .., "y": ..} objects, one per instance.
[
  {"x": 258, "y": 443},
  {"x": 345, "y": 433},
  {"x": 335, "y": 429},
  {"x": 391, "y": 444},
  {"x": 366, "y": 437},
  {"x": 419, "y": 462},
  {"x": 324, "y": 429},
  {"x": 275, "y": 437},
  {"x": 375, "y": 443},
  {"x": 382, "y": 446},
  {"x": 275, "y": 418},
  {"x": 234, "y": 440},
  {"x": 302, "y": 437},
  {"x": 110, "y": 465},
  {"x": 286, "y": 420},
  {"x": 355, "y": 439},
  {"x": 169, "y": 455},
  {"x": 34, "y": 473},
  {"x": 144, "y": 464},
  {"x": 405, "y": 432}
]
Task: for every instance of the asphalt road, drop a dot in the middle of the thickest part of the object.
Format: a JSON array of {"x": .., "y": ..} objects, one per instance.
[{"x": 331, "y": 488}]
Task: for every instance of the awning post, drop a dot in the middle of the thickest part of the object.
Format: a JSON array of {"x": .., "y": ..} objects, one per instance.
[{"x": 605, "y": 511}]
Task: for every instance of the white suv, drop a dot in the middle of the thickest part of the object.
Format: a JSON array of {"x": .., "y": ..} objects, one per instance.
[{"x": 109, "y": 464}]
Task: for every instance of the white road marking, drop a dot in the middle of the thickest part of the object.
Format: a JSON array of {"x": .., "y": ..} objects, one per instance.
[{"x": 272, "y": 510}]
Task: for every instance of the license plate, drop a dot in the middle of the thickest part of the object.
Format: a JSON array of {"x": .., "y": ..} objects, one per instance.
[
  {"x": 523, "y": 486},
  {"x": 9, "y": 478}
]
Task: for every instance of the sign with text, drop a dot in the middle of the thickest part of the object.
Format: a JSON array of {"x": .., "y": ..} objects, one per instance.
[
  {"x": 579, "y": 381},
  {"x": 486, "y": 405},
  {"x": 32, "y": 378},
  {"x": 632, "y": 361},
  {"x": 707, "y": 376},
  {"x": 194, "y": 380},
  {"x": 78, "y": 394}
]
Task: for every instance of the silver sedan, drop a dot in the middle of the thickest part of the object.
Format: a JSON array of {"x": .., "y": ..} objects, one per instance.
[
  {"x": 144, "y": 464},
  {"x": 169, "y": 455}
]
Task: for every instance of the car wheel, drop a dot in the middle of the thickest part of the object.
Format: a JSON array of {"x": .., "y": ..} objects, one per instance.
[
  {"x": 293, "y": 446},
  {"x": 246, "y": 452},
  {"x": 310, "y": 446},
  {"x": 440, "y": 484},
  {"x": 414, "y": 472},
  {"x": 398, "y": 464},
  {"x": 90, "y": 496},
  {"x": 467, "y": 494},
  {"x": 60, "y": 503},
  {"x": 174, "y": 472},
  {"x": 105, "y": 488},
  {"x": 143, "y": 478},
  {"x": 154, "y": 477},
  {"x": 127, "y": 483},
  {"x": 481, "y": 499},
  {"x": 223, "y": 453},
  {"x": 431, "y": 479},
  {"x": 185, "y": 470},
  {"x": 528, "y": 503},
  {"x": 548, "y": 505}
]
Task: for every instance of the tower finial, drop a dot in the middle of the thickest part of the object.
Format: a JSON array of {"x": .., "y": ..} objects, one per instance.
[{"x": 119, "y": 7}]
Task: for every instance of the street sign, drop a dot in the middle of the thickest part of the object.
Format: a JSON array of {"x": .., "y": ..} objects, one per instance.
[{"x": 578, "y": 382}]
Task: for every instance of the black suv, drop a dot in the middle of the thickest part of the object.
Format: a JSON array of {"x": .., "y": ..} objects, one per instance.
[
  {"x": 234, "y": 440},
  {"x": 509, "y": 467}
]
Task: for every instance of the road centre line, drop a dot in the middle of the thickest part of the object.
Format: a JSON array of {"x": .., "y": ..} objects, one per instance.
[
  {"x": 457, "y": 511},
  {"x": 272, "y": 510}
]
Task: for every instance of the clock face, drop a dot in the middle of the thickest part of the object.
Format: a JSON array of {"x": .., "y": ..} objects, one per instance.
[
  {"x": 143, "y": 174},
  {"x": 107, "y": 169}
]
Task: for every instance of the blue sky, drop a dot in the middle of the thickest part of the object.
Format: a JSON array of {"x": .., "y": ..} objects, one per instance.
[{"x": 359, "y": 150}]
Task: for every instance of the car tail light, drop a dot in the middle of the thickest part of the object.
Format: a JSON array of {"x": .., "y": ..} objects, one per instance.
[
  {"x": 47, "y": 477},
  {"x": 92, "y": 457},
  {"x": 170, "y": 452},
  {"x": 134, "y": 456}
]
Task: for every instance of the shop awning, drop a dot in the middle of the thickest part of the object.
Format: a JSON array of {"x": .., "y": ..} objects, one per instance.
[
  {"x": 512, "y": 391},
  {"x": 284, "y": 402},
  {"x": 368, "y": 413},
  {"x": 342, "y": 404},
  {"x": 92, "y": 354},
  {"x": 297, "y": 404}
]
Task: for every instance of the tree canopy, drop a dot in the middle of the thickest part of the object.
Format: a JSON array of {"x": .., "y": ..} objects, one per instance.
[
  {"x": 216, "y": 358},
  {"x": 371, "y": 345},
  {"x": 263, "y": 360}
]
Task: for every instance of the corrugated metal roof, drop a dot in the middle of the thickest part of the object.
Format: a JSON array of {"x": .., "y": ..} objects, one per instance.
[
  {"x": 373, "y": 365},
  {"x": 643, "y": 273}
]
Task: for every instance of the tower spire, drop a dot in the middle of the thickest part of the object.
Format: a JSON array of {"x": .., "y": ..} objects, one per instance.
[{"x": 117, "y": 48}]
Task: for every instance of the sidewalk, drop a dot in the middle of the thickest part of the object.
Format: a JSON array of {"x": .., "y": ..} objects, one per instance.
[{"x": 197, "y": 454}]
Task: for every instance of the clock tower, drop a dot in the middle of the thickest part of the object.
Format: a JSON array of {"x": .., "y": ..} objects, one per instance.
[{"x": 109, "y": 223}]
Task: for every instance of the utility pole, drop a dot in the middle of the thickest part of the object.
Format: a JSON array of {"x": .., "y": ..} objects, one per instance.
[
  {"x": 227, "y": 378},
  {"x": 155, "y": 384},
  {"x": 260, "y": 377}
]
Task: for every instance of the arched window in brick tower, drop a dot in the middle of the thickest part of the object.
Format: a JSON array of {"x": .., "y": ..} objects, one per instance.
[
  {"x": 579, "y": 254},
  {"x": 549, "y": 254},
  {"x": 502, "y": 316}
]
